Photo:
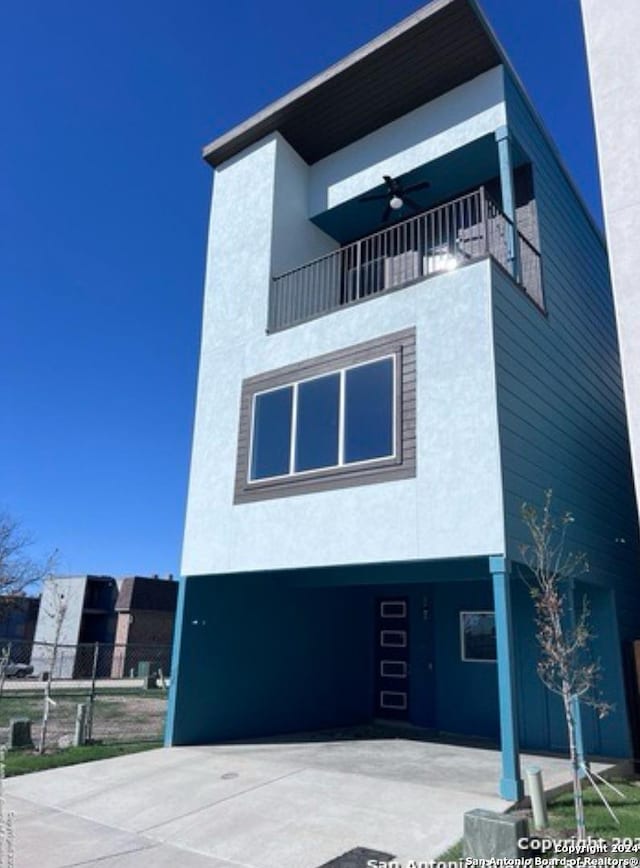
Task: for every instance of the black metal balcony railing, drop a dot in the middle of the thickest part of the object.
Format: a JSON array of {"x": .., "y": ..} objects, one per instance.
[{"x": 433, "y": 242}]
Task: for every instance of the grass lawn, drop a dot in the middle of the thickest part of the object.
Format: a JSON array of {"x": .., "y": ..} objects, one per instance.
[
  {"x": 453, "y": 854},
  {"x": 28, "y": 705},
  {"x": 126, "y": 716},
  {"x": 23, "y": 762},
  {"x": 599, "y": 822}
]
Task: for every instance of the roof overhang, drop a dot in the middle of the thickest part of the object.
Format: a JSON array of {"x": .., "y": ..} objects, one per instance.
[{"x": 439, "y": 47}]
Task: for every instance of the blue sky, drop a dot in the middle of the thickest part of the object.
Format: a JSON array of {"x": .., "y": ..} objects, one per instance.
[{"x": 103, "y": 219}]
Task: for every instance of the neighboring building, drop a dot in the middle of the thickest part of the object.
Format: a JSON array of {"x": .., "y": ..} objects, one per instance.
[
  {"x": 135, "y": 614},
  {"x": 146, "y": 610},
  {"x": 388, "y": 370},
  {"x": 18, "y": 616},
  {"x": 89, "y": 617},
  {"x": 612, "y": 37}
]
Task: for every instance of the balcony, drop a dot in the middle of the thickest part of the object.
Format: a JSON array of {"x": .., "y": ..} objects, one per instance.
[{"x": 433, "y": 242}]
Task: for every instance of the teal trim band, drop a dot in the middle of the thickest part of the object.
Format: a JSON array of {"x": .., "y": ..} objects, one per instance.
[
  {"x": 175, "y": 664},
  {"x": 511, "y": 786}
]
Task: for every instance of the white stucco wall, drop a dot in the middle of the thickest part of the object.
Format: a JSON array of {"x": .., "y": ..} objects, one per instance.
[
  {"x": 259, "y": 227},
  {"x": 452, "y": 508},
  {"x": 460, "y": 116},
  {"x": 612, "y": 39}
]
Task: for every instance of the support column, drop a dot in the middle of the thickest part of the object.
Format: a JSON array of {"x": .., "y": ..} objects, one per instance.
[
  {"x": 507, "y": 187},
  {"x": 511, "y": 786},
  {"x": 169, "y": 729}
]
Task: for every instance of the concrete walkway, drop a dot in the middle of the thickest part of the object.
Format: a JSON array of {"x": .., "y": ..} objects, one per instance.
[{"x": 284, "y": 805}]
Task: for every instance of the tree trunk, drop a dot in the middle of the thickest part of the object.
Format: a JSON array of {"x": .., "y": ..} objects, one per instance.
[
  {"x": 47, "y": 701},
  {"x": 575, "y": 766}
]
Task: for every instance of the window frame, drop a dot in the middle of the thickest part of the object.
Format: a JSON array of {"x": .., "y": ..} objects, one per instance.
[
  {"x": 293, "y": 428},
  {"x": 400, "y": 347},
  {"x": 463, "y": 655}
]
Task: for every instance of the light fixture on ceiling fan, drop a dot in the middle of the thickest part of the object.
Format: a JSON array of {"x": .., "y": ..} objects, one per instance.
[{"x": 396, "y": 196}]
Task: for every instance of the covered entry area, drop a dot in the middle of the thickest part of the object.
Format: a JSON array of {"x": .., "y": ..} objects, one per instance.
[
  {"x": 427, "y": 645},
  {"x": 300, "y": 650}
]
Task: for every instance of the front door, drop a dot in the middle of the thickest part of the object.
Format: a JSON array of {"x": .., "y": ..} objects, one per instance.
[{"x": 392, "y": 658}]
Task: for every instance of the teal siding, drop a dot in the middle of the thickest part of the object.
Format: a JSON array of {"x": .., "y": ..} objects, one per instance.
[
  {"x": 466, "y": 693},
  {"x": 542, "y": 724},
  {"x": 258, "y": 657},
  {"x": 561, "y": 405},
  {"x": 562, "y": 418},
  {"x": 262, "y": 654}
]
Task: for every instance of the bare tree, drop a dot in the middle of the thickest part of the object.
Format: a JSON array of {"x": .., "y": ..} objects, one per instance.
[
  {"x": 566, "y": 666},
  {"x": 19, "y": 571},
  {"x": 56, "y": 610}
]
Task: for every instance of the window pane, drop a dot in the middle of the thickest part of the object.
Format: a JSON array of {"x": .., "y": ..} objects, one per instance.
[
  {"x": 317, "y": 427},
  {"x": 368, "y": 431},
  {"x": 271, "y": 433},
  {"x": 479, "y": 635}
]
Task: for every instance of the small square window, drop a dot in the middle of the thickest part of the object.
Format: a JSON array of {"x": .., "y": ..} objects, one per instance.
[
  {"x": 393, "y": 638},
  {"x": 393, "y": 609},
  {"x": 478, "y": 637}
]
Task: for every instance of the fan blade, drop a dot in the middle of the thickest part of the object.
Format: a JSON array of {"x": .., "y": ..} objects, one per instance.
[
  {"x": 392, "y": 183},
  {"x": 373, "y": 197},
  {"x": 412, "y": 204},
  {"x": 423, "y": 185},
  {"x": 386, "y": 213}
]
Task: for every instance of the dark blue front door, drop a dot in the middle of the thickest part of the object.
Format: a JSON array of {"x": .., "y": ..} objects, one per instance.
[{"x": 392, "y": 658}]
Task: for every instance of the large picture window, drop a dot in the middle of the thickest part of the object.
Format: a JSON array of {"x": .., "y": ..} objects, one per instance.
[
  {"x": 341, "y": 419},
  {"x": 331, "y": 421}
]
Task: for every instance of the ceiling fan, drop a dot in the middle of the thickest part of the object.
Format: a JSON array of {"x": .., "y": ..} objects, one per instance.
[{"x": 396, "y": 196}]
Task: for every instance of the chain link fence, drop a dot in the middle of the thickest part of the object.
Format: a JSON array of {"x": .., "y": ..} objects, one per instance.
[
  {"x": 123, "y": 689},
  {"x": 92, "y": 659},
  {"x": 112, "y": 716}
]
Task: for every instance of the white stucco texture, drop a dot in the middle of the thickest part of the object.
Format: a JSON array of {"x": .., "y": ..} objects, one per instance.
[
  {"x": 260, "y": 226},
  {"x": 452, "y": 508}
]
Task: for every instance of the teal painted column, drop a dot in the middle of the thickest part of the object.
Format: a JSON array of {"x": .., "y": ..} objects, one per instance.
[
  {"x": 175, "y": 664},
  {"x": 507, "y": 187},
  {"x": 511, "y": 786}
]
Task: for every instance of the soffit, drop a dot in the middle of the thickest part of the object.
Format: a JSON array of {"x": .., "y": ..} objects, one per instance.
[{"x": 436, "y": 49}]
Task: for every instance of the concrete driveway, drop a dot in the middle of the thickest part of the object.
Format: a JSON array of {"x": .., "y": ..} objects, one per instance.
[{"x": 276, "y": 805}]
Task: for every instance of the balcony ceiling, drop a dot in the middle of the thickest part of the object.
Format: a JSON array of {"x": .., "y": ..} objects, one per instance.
[
  {"x": 449, "y": 176},
  {"x": 439, "y": 47}
]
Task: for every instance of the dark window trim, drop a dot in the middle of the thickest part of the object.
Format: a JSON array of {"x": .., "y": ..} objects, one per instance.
[{"x": 401, "y": 466}]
